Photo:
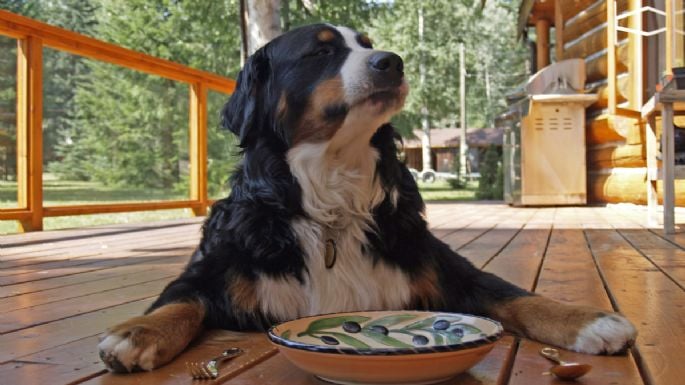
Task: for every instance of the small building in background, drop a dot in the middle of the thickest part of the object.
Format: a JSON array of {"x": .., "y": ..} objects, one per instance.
[{"x": 445, "y": 147}]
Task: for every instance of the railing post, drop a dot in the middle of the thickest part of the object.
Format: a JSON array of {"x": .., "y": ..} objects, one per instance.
[
  {"x": 30, "y": 131},
  {"x": 670, "y": 37},
  {"x": 198, "y": 147},
  {"x": 611, "y": 55}
]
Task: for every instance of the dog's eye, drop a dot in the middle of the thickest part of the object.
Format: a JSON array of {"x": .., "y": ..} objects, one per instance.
[{"x": 324, "y": 50}]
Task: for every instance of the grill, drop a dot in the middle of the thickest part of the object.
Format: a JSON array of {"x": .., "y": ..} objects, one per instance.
[{"x": 544, "y": 138}]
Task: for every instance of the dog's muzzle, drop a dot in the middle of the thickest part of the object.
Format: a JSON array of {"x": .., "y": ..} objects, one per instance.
[{"x": 387, "y": 69}]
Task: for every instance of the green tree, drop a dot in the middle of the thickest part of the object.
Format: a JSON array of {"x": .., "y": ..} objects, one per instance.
[
  {"x": 491, "y": 182},
  {"x": 8, "y": 90},
  {"x": 489, "y": 36},
  {"x": 132, "y": 127}
]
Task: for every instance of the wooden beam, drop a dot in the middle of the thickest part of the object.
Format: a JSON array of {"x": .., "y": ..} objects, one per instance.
[
  {"x": 15, "y": 25},
  {"x": 198, "y": 147},
  {"x": 622, "y": 88},
  {"x": 542, "y": 40},
  {"x": 597, "y": 69},
  {"x": 670, "y": 37},
  {"x": 611, "y": 56},
  {"x": 15, "y": 215},
  {"x": 625, "y": 155},
  {"x": 593, "y": 43},
  {"x": 635, "y": 43},
  {"x": 58, "y": 211},
  {"x": 30, "y": 131},
  {"x": 559, "y": 29},
  {"x": 589, "y": 18}
]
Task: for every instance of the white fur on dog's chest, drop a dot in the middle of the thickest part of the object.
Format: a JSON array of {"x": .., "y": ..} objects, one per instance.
[{"x": 338, "y": 203}]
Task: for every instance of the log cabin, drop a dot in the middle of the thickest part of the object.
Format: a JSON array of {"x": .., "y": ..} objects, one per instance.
[{"x": 630, "y": 48}]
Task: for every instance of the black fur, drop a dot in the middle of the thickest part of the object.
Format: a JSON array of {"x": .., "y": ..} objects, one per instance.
[{"x": 249, "y": 232}]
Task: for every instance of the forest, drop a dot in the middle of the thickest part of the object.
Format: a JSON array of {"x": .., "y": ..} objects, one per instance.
[{"x": 120, "y": 127}]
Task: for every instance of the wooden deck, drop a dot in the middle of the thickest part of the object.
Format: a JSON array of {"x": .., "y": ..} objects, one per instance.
[{"x": 59, "y": 290}]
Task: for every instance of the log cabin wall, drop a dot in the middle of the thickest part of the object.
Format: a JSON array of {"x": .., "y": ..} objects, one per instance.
[{"x": 615, "y": 137}]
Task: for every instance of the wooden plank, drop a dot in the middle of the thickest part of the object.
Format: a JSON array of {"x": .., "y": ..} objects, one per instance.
[
  {"x": 77, "y": 44},
  {"x": 128, "y": 267},
  {"x": 649, "y": 298},
  {"x": 23, "y": 240},
  {"x": 91, "y": 246},
  {"x": 42, "y": 337},
  {"x": 525, "y": 252},
  {"x": 198, "y": 147},
  {"x": 69, "y": 258},
  {"x": 16, "y": 320},
  {"x": 97, "y": 264},
  {"x": 484, "y": 222},
  {"x": 30, "y": 131},
  {"x": 662, "y": 253},
  {"x": 39, "y": 242},
  {"x": 256, "y": 349},
  {"x": 171, "y": 268},
  {"x": 569, "y": 275},
  {"x": 78, "y": 361}
]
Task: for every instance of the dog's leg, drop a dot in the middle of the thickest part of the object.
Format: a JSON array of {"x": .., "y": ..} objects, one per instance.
[
  {"x": 153, "y": 339},
  {"x": 579, "y": 328},
  {"x": 464, "y": 288}
]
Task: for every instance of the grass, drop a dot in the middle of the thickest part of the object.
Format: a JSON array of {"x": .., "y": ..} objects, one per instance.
[
  {"x": 440, "y": 190},
  {"x": 58, "y": 192}
]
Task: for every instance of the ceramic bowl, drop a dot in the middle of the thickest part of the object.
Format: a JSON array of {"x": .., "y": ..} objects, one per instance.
[{"x": 386, "y": 347}]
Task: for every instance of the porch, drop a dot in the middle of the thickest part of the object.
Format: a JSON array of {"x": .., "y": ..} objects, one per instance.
[{"x": 60, "y": 289}]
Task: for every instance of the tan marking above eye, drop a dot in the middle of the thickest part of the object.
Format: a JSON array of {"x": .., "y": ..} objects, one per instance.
[
  {"x": 325, "y": 35},
  {"x": 365, "y": 40}
]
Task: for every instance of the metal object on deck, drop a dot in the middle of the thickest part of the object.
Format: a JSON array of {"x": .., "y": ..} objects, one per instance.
[{"x": 544, "y": 141}]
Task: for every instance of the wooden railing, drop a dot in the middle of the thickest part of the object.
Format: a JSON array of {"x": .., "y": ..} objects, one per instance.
[{"x": 31, "y": 37}]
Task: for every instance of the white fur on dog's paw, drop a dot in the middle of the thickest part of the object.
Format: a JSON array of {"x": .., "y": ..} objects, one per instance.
[
  {"x": 610, "y": 333},
  {"x": 120, "y": 354}
]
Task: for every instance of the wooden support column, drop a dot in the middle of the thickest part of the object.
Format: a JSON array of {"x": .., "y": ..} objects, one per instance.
[
  {"x": 637, "y": 57},
  {"x": 198, "y": 147},
  {"x": 559, "y": 29},
  {"x": 30, "y": 131},
  {"x": 611, "y": 56},
  {"x": 670, "y": 37},
  {"x": 542, "y": 32}
]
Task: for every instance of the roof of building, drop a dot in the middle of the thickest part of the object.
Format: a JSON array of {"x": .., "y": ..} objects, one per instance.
[{"x": 449, "y": 137}]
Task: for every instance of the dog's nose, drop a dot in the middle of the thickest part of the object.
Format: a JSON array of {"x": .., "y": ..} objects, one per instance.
[{"x": 387, "y": 62}]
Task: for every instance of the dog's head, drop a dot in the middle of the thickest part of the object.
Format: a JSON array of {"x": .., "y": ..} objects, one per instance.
[{"x": 313, "y": 84}]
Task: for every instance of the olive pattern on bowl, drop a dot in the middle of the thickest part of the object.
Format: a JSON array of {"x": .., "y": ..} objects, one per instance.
[{"x": 440, "y": 329}]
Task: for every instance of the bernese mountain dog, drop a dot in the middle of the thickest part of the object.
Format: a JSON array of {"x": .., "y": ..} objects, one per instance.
[{"x": 322, "y": 217}]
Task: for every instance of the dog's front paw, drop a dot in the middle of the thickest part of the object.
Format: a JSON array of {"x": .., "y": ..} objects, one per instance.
[
  {"x": 150, "y": 341},
  {"x": 129, "y": 348},
  {"x": 608, "y": 333}
]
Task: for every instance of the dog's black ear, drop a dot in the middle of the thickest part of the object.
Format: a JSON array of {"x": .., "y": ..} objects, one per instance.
[{"x": 242, "y": 114}]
